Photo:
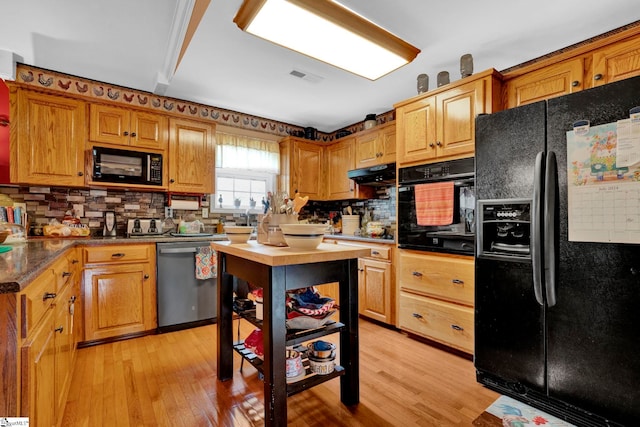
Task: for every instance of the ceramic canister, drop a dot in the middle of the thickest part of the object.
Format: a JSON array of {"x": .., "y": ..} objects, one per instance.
[{"x": 294, "y": 364}]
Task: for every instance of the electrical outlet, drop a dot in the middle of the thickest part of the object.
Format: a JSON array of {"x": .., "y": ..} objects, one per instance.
[
  {"x": 168, "y": 212},
  {"x": 205, "y": 212}
]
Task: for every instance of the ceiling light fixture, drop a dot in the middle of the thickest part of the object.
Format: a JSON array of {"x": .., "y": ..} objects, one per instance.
[{"x": 329, "y": 32}]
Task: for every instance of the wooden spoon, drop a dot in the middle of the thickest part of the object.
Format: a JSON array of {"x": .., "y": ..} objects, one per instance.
[{"x": 299, "y": 202}]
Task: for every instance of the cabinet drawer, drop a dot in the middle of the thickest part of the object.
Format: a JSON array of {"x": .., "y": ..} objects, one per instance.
[
  {"x": 444, "y": 276},
  {"x": 440, "y": 321},
  {"x": 380, "y": 253},
  {"x": 62, "y": 272},
  {"x": 116, "y": 253},
  {"x": 36, "y": 300}
]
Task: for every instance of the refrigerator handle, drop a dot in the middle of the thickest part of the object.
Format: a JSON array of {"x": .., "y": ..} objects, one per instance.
[
  {"x": 536, "y": 249},
  {"x": 550, "y": 188}
]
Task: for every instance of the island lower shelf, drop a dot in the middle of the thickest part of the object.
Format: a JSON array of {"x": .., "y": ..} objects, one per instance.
[{"x": 310, "y": 379}]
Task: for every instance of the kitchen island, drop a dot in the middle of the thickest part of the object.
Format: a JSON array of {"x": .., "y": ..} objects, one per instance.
[{"x": 276, "y": 270}]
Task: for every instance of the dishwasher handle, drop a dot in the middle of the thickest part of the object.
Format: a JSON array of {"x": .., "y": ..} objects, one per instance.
[{"x": 178, "y": 250}]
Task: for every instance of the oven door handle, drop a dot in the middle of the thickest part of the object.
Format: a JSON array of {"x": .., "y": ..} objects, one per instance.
[{"x": 178, "y": 250}]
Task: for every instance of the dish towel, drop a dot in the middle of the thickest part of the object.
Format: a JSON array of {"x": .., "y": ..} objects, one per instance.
[
  {"x": 434, "y": 203},
  {"x": 206, "y": 263}
]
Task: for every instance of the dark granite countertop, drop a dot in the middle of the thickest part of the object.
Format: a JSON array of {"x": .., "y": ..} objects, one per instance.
[{"x": 27, "y": 260}]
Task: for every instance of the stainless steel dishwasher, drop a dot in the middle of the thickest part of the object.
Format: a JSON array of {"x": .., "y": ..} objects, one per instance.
[{"x": 183, "y": 300}]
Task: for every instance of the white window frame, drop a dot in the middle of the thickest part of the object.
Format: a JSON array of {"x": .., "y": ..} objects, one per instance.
[{"x": 269, "y": 178}]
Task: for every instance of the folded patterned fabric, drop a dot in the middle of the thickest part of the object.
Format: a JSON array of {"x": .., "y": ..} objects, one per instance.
[{"x": 309, "y": 302}]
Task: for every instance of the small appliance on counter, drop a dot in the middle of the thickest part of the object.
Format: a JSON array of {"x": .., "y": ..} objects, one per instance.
[
  {"x": 144, "y": 227},
  {"x": 110, "y": 228}
]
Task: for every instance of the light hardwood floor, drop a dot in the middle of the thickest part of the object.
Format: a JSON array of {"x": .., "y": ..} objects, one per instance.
[{"x": 170, "y": 380}]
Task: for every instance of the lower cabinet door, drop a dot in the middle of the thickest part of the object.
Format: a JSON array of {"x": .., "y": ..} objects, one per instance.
[
  {"x": 119, "y": 300},
  {"x": 441, "y": 321},
  {"x": 38, "y": 359}
]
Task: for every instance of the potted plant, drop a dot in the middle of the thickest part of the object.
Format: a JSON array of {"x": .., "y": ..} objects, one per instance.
[
  {"x": 252, "y": 203},
  {"x": 237, "y": 202}
]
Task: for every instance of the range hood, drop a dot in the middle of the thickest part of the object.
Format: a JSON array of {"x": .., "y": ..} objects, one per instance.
[{"x": 379, "y": 175}]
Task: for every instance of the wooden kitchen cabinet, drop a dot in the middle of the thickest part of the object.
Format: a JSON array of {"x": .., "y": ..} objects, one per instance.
[
  {"x": 555, "y": 80},
  {"x": 339, "y": 160},
  {"x": 602, "y": 61},
  {"x": 440, "y": 124},
  {"x": 436, "y": 297},
  {"x": 376, "y": 281},
  {"x": 129, "y": 128},
  {"x": 191, "y": 156},
  {"x": 48, "y": 343},
  {"x": 376, "y": 146},
  {"x": 47, "y": 138},
  {"x": 615, "y": 62},
  {"x": 302, "y": 168},
  {"x": 119, "y": 290}
]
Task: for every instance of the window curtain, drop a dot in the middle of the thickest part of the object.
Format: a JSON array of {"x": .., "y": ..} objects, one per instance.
[{"x": 242, "y": 152}]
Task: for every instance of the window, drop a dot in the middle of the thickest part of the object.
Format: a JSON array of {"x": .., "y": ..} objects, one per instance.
[
  {"x": 247, "y": 164},
  {"x": 232, "y": 184}
]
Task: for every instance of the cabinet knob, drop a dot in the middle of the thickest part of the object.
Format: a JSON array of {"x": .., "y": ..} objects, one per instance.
[
  {"x": 374, "y": 252},
  {"x": 172, "y": 180},
  {"x": 133, "y": 134},
  {"x": 431, "y": 144},
  {"x": 74, "y": 261},
  {"x": 66, "y": 273},
  {"x": 361, "y": 269},
  {"x": 59, "y": 329},
  {"x": 575, "y": 83},
  {"x": 72, "y": 299},
  {"x": 126, "y": 133},
  {"x": 48, "y": 295},
  {"x": 417, "y": 315},
  {"x": 457, "y": 328},
  {"x": 457, "y": 282},
  {"x": 598, "y": 77},
  {"x": 146, "y": 276},
  {"x": 438, "y": 143},
  {"x": 80, "y": 173},
  {"x": 417, "y": 274},
  {"x": 117, "y": 255}
]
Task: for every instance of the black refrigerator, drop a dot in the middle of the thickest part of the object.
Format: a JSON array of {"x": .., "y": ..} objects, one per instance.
[{"x": 557, "y": 322}]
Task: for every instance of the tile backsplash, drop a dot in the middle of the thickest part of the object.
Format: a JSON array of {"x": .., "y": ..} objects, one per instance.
[{"x": 44, "y": 204}]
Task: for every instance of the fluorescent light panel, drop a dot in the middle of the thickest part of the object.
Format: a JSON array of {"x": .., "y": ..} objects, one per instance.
[{"x": 329, "y": 32}]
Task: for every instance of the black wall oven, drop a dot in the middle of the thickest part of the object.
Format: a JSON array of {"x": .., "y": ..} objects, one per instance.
[{"x": 454, "y": 236}]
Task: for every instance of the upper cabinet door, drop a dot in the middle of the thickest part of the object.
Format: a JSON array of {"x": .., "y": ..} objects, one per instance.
[
  {"x": 308, "y": 170},
  {"x": 47, "y": 143},
  {"x": 456, "y": 115},
  {"x": 416, "y": 127},
  {"x": 616, "y": 62},
  {"x": 191, "y": 156},
  {"x": 119, "y": 126},
  {"x": 340, "y": 160},
  {"x": 555, "y": 80}
]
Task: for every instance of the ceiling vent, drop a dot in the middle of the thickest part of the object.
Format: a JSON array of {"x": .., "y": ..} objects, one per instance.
[{"x": 312, "y": 78}]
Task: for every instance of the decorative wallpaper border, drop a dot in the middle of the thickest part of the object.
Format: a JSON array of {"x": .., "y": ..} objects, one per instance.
[{"x": 94, "y": 90}]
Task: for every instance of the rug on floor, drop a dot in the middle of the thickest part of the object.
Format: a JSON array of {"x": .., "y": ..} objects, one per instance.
[{"x": 509, "y": 412}]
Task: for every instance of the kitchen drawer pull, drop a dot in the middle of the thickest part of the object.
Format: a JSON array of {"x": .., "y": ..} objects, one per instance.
[
  {"x": 457, "y": 328},
  {"x": 417, "y": 274},
  {"x": 74, "y": 261},
  {"x": 48, "y": 295},
  {"x": 117, "y": 255},
  {"x": 375, "y": 253},
  {"x": 457, "y": 282},
  {"x": 66, "y": 273},
  {"x": 575, "y": 83},
  {"x": 59, "y": 329},
  {"x": 417, "y": 315},
  {"x": 597, "y": 77}
]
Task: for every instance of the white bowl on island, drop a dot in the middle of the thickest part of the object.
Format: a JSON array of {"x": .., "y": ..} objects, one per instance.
[
  {"x": 303, "y": 236},
  {"x": 238, "y": 233}
]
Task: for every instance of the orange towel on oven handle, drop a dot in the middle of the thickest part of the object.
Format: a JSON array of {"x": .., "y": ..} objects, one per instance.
[{"x": 434, "y": 203}]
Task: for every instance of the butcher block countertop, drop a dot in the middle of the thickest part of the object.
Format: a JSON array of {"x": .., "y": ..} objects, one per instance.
[{"x": 277, "y": 256}]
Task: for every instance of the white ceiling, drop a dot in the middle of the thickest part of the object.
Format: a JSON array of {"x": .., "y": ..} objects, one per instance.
[{"x": 126, "y": 42}]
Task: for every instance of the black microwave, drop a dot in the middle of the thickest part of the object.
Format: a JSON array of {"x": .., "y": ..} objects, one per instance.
[{"x": 113, "y": 165}]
